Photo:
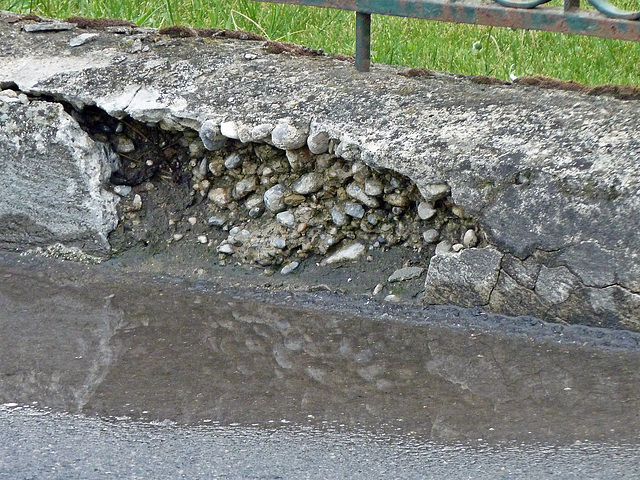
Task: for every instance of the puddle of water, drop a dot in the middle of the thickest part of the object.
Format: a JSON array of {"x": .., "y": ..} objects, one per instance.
[{"x": 81, "y": 339}]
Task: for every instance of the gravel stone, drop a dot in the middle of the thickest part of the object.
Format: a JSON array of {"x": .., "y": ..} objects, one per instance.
[
  {"x": 426, "y": 211},
  {"x": 288, "y": 137},
  {"x": 286, "y": 218},
  {"x": 244, "y": 187},
  {"x": 373, "y": 187},
  {"x": 356, "y": 192},
  {"x": 220, "y": 196},
  {"x": 279, "y": 243},
  {"x": 318, "y": 142},
  {"x": 308, "y": 183},
  {"x": 431, "y": 236},
  {"x": 339, "y": 218},
  {"x": 470, "y": 239},
  {"x": 354, "y": 210},
  {"x": 274, "y": 198},
  {"x": 261, "y": 132},
  {"x": 290, "y": 267},
  {"x": 229, "y": 130},
  {"x": 443, "y": 247},
  {"x": 210, "y": 135},
  {"x": 435, "y": 191},
  {"x": 232, "y": 161}
]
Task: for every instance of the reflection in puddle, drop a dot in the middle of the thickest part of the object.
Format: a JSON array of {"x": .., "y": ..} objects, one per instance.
[{"x": 153, "y": 350}]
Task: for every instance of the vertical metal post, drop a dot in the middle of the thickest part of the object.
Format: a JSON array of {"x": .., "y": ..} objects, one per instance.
[{"x": 363, "y": 41}]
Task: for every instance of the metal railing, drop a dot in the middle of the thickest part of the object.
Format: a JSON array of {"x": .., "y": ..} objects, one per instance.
[{"x": 606, "y": 21}]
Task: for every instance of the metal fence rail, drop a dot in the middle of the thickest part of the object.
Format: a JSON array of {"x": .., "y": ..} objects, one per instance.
[{"x": 606, "y": 21}]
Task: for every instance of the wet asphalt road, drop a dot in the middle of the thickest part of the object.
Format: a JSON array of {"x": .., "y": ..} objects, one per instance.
[{"x": 163, "y": 378}]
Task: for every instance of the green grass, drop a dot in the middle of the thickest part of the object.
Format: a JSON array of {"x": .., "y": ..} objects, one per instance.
[{"x": 402, "y": 41}]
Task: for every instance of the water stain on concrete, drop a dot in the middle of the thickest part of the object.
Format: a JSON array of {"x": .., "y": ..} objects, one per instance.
[{"x": 101, "y": 341}]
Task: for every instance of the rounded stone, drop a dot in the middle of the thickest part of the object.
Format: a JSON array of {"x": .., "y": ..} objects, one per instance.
[
  {"x": 232, "y": 161},
  {"x": 426, "y": 211},
  {"x": 339, "y": 218},
  {"x": 470, "y": 239},
  {"x": 261, "y": 132},
  {"x": 274, "y": 198},
  {"x": 287, "y": 269},
  {"x": 356, "y": 192},
  {"x": 431, "y": 236},
  {"x": 279, "y": 243},
  {"x": 308, "y": 183},
  {"x": 210, "y": 135},
  {"x": 244, "y": 187},
  {"x": 318, "y": 142},
  {"x": 220, "y": 196},
  {"x": 229, "y": 130},
  {"x": 288, "y": 137},
  {"x": 286, "y": 218}
]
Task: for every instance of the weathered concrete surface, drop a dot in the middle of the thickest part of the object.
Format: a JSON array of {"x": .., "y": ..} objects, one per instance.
[
  {"x": 548, "y": 178},
  {"x": 52, "y": 179}
]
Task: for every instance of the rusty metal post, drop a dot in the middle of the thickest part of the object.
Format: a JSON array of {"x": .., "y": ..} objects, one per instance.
[{"x": 363, "y": 41}]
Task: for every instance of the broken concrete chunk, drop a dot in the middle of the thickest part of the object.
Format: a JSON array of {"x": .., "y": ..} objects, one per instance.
[
  {"x": 351, "y": 252},
  {"x": 406, "y": 273},
  {"x": 465, "y": 278},
  {"x": 48, "y": 27},
  {"x": 52, "y": 181}
]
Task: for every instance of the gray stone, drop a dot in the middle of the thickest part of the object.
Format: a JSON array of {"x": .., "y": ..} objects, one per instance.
[
  {"x": 210, "y": 135},
  {"x": 229, "y": 129},
  {"x": 290, "y": 267},
  {"x": 373, "y": 187},
  {"x": 288, "y": 137},
  {"x": 466, "y": 278},
  {"x": 274, "y": 198},
  {"x": 354, "y": 210},
  {"x": 318, "y": 142},
  {"x": 233, "y": 161},
  {"x": 225, "y": 248},
  {"x": 339, "y": 218},
  {"x": 357, "y": 192},
  {"x": 406, "y": 273},
  {"x": 279, "y": 243},
  {"x": 48, "y": 27},
  {"x": 52, "y": 178},
  {"x": 348, "y": 253},
  {"x": 431, "y": 236},
  {"x": 308, "y": 183},
  {"x": 443, "y": 247},
  {"x": 435, "y": 191},
  {"x": 426, "y": 211},
  {"x": 286, "y": 218},
  {"x": 470, "y": 239},
  {"x": 220, "y": 196},
  {"x": 244, "y": 187},
  {"x": 82, "y": 39},
  {"x": 261, "y": 132}
]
